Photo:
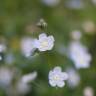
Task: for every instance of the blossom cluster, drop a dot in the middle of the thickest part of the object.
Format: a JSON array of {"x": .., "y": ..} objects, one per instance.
[
  {"x": 43, "y": 43},
  {"x": 77, "y": 52}
]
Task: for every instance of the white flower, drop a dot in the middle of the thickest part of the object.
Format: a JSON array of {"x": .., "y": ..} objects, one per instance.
[
  {"x": 74, "y": 78},
  {"x": 75, "y": 4},
  {"x": 89, "y": 27},
  {"x": 76, "y": 35},
  {"x": 57, "y": 77},
  {"x": 94, "y": 2},
  {"x": 2, "y": 47},
  {"x": 29, "y": 77},
  {"x": 79, "y": 54},
  {"x": 44, "y": 43},
  {"x": 6, "y": 76},
  {"x": 27, "y": 46},
  {"x": 88, "y": 91},
  {"x": 22, "y": 86},
  {"x": 51, "y": 3}
]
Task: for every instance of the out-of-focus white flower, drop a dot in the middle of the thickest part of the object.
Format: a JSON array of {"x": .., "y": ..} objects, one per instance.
[
  {"x": 76, "y": 35},
  {"x": 94, "y": 2},
  {"x": 75, "y": 4},
  {"x": 6, "y": 76},
  {"x": 74, "y": 78},
  {"x": 79, "y": 54},
  {"x": 57, "y": 77},
  {"x": 51, "y": 3},
  {"x": 27, "y": 46},
  {"x": 22, "y": 86},
  {"x": 89, "y": 27},
  {"x": 2, "y": 47},
  {"x": 44, "y": 43},
  {"x": 29, "y": 77},
  {"x": 88, "y": 91}
]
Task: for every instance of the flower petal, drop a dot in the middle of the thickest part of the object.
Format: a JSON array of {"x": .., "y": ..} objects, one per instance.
[
  {"x": 36, "y": 43},
  {"x": 51, "y": 38},
  {"x": 64, "y": 76},
  {"x": 42, "y": 35},
  {"x": 61, "y": 84},
  {"x": 51, "y": 74},
  {"x": 52, "y": 83},
  {"x": 57, "y": 69}
]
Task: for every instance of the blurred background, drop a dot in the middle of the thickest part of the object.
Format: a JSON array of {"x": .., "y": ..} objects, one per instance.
[{"x": 71, "y": 22}]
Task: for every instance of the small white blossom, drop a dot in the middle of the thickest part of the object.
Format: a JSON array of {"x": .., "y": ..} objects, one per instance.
[
  {"x": 94, "y": 2},
  {"x": 57, "y": 77},
  {"x": 75, "y": 4},
  {"x": 76, "y": 35},
  {"x": 88, "y": 91},
  {"x": 29, "y": 77},
  {"x": 44, "y": 43},
  {"x": 74, "y": 78},
  {"x": 6, "y": 76},
  {"x": 27, "y": 46},
  {"x": 79, "y": 54},
  {"x": 2, "y": 47},
  {"x": 89, "y": 27},
  {"x": 51, "y": 3},
  {"x": 22, "y": 86}
]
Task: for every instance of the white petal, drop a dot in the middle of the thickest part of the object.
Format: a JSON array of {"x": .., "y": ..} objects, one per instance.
[
  {"x": 29, "y": 77},
  {"x": 64, "y": 76},
  {"x": 51, "y": 38},
  {"x": 41, "y": 49},
  {"x": 57, "y": 69},
  {"x": 52, "y": 83},
  {"x": 36, "y": 43},
  {"x": 51, "y": 74},
  {"x": 50, "y": 44},
  {"x": 42, "y": 35},
  {"x": 61, "y": 84},
  {"x": 89, "y": 57}
]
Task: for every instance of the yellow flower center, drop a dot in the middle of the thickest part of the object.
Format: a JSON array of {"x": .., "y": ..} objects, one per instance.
[
  {"x": 44, "y": 44},
  {"x": 81, "y": 60},
  {"x": 56, "y": 77}
]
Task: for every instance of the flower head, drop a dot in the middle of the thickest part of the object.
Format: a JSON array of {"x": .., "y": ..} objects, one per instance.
[
  {"x": 57, "y": 77},
  {"x": 51, "y": 3},
  {"x": 23, "y": 86},
  {"x": 27, "y": 46},
  {"x": 74, "y": 78},
  {"x": 88, "y": 91},
  {"x": 76, "y": 35},
  {"x": 89, "y": 27},
  {"x": 2, "y": 47},
  {"x": 6, "y": 76},
  {"x": 79, "y": 54},
  {"x": 75, "y": 4},
  {"x": 44, "y": 43}
]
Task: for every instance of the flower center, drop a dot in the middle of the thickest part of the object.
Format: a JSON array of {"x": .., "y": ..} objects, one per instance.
[
  {"x": 81, "y": 60},
  {"x": 44, "y": 44},
  {"x": 56, "y": 77}
]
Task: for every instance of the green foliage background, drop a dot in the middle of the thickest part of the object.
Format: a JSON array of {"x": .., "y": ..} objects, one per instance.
[{"x": 17, "y": 15}]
